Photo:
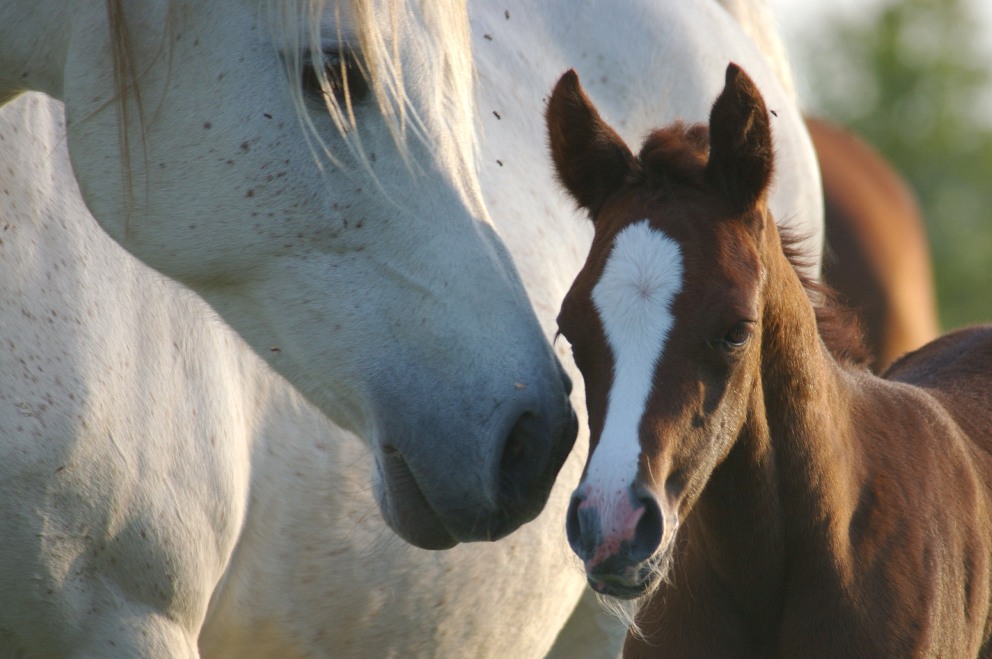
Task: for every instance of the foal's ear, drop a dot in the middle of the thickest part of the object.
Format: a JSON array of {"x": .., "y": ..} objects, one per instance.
[
  {"x": 740, "y": 164},
  {"x": 590, "y": 158}
]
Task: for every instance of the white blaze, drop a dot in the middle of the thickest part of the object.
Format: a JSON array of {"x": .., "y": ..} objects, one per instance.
[{"x": 643, "y": 274}]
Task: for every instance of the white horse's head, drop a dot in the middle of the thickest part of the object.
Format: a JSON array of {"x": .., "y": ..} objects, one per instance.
[{"x": 310, "y": 172}]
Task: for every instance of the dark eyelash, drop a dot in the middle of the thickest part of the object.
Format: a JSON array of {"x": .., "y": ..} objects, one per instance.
[{"x": 344, "y": 77}]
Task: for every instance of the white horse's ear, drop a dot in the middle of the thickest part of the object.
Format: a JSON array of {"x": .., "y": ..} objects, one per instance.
[
  {"x": 741, "y": 157},
  {"x": 591, "y": 160}
]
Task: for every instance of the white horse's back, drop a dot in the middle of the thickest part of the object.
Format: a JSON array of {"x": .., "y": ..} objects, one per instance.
[{"x": 164, "y": 491}]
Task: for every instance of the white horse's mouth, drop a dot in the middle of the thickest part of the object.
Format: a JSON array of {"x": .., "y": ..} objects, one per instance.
[
  {"x": 432, "y": 507},
  {"x": 415, "y": 516},
  {"x": 404, "y": 507}
]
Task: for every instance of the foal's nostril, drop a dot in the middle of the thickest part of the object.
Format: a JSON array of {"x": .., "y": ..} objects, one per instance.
[
  {"x": 582, "y": 527},
  {"x": 647, "y": 534},
  {"x": 616, "y": 545}
]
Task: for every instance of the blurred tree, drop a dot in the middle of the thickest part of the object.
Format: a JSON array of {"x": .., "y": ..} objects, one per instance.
[{"x": 913, "y": 79}]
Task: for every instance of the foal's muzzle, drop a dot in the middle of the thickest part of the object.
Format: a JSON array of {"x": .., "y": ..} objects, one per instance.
[{"x": 618, "y": 539}]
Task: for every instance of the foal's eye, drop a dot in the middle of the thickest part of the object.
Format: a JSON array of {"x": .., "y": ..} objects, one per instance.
[
  {"x": 735, "y": 337},
  {"x": 344, "y": 77}
]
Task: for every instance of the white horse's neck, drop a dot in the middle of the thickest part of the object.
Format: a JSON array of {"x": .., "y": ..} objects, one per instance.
[
  {"x": 755, "y": 17},
  {"x": 656, "y": 77}
]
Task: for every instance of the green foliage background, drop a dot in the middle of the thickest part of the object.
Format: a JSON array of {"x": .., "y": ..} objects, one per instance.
[{"x": 913, "y": 78}]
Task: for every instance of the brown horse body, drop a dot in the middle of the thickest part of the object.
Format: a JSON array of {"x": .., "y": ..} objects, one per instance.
[
  {"x": 878, "y": 257},
  {"x": 780, "y": 502}
]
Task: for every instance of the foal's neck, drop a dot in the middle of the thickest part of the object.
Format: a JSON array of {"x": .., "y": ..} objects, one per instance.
[
  {"x": 772, "y": 498},
  {"x": 807, "y": 402},
  {"x": 805, "y": 406}
]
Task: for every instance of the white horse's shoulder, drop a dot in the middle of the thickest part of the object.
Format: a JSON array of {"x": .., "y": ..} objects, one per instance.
[{"x": 123, "y": 462}]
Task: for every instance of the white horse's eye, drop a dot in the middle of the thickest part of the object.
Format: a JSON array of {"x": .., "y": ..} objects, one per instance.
[{"x": 344, "y": 77}]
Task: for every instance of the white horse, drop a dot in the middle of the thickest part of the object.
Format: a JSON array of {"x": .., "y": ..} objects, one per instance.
[{"x": 359, "y": 278}]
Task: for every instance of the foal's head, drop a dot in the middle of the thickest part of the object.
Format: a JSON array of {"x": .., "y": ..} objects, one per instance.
[{"x": 664, "y": 318}]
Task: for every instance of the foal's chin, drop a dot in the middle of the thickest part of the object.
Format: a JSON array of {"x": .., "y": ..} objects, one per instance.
[
  {"x": 623, "y": 591},
  {"x": 632, "y": 582}
]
